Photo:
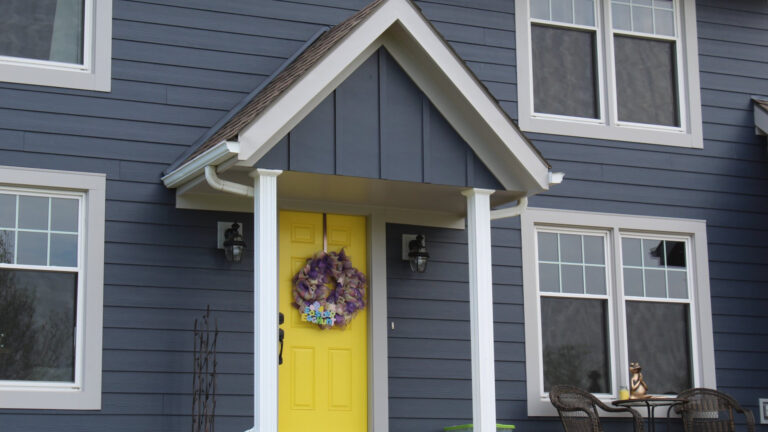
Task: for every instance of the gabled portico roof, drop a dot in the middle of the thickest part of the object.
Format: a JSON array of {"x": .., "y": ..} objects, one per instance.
[{"x": 258, "y": 123}]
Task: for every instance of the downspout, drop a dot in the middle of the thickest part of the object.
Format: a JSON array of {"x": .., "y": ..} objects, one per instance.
[{"x": 226, "y": 186}]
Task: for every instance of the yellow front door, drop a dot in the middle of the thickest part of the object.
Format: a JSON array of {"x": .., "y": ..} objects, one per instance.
[{"x": 324, "y": 375}]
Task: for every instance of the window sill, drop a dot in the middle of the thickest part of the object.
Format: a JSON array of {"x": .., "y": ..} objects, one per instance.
[
  {"x": 50, "y": 398},
  {"x": 638, "y": 134}
]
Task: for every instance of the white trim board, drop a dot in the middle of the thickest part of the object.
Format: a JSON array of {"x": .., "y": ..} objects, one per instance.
[
  {"x": 689, "y": 134},
  {"x": 96, "y": 71},
  {"x": 615, "y": 225},
  {"x": 436, "y": 70},
  {"x": 86, "y": 395}
]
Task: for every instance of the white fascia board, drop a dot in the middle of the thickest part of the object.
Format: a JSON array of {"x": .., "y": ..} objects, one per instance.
[
  {"x": 761, "y": 120},
  {"x": 435, "y": 69},
  {"x": 196, "y": 167}
]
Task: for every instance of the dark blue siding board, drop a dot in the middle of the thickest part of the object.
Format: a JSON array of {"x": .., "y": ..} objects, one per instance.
[
  {"x": 199, "y": 78},
  {"x": 179, "y": 16},
  {"x": 269, "y": 9},
  {"x": 313, "y": 141},
  {"x": 466, "y": 16},
  {"x": 401, "y": 124},
  {"x": 357, "y": 122},
  {"x": 122, "y": 150},
  {"x": 121, "y": 90},
  {"x": 191, "y": 57},
  {"x": 447, "y": 152},
  {"x": 195, "y": 97},
  {"x": 11, "y": 140},
  {"x": 476, "y": 35},
  {"x": 193, "y": 38},
  {"x": 277, "y": 157},
  {"x": 99, "y": 127}
]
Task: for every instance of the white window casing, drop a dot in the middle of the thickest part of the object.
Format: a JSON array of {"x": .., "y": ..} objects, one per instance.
[
  {"x": 615, "y": 227},
  {"x": 607, "y": 126},
  {"x": 95, "y": 72},
  {"x": 84, "y": 393}
]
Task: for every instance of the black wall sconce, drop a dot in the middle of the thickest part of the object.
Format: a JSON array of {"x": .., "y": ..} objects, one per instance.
[
  {"x": 418, "y": 257},
  {"x": 234, "y": 245}
]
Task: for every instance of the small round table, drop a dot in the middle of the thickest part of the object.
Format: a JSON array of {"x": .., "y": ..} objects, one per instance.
[{"x": 651, "y": 403}]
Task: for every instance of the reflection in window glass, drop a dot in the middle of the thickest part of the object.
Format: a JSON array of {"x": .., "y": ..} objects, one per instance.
[
  {"x": 7, "y": 246},
  {"x": 654, "y": 268},
  {"x": 571, "y": 263},
  {"x": 33, "y": 212},
  {"x": 7, "y": 211},
  {"x": 37, "y": 325},
  {"x": 659, "y": 338},
  {"x": 42, "y": 30},
  {"x": 575, "y": 343}
]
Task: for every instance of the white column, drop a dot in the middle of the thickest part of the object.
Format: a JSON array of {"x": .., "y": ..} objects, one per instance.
[
  {"x": 265, "y": 300},
  {"x": 481, "y": 309}
]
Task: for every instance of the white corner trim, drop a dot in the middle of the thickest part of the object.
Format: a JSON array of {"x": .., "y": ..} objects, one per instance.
[
  {"x": 481, "y": 309},
  {"x": 435, "y": 69},
  {"x": 378, "y": 355},
  {"x": 614, "y": 225},
  {"x": 88, "y": 395},
  {"x": 689, "y": 135},
  {"x": 216, "y": 155},
  {"x": 95, "y": 74},
  {"x": 265, "y": 301}
]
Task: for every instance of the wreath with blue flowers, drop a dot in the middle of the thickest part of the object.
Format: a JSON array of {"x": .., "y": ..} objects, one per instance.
[{"x": 329, "y": 291}]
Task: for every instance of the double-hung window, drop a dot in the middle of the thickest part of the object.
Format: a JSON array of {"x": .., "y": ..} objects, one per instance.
[
  {"x": 602, "y": 291},
  {"x": 611, "y": 69},
  {"x": 51, "y": 266},
  {"x": 61, "y": 43}
]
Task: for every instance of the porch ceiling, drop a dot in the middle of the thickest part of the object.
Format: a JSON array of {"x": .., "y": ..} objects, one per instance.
[{"x": 298, "y": 190}]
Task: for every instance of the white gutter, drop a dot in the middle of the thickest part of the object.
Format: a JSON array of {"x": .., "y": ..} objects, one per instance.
[
  {"x": 522, "y": 203},
  {"x": 214, "y": 156},
  {"x": 226, "y": 186}
]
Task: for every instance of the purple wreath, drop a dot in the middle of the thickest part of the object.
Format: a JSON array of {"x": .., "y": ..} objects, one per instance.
[{"x": 312, "y": 288}]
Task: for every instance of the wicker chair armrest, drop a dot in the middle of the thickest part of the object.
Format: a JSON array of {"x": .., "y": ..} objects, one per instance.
[
  {"x": 750, "y": 418},
  {"x": 638, "y": 419}
]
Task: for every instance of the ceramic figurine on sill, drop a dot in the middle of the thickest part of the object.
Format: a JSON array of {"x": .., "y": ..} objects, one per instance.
[{"x": 637, "y": 387}]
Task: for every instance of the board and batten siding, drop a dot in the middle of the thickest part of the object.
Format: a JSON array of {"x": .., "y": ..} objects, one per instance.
[
  {"x": 179, "y": 65},
  {"x": 378, "y": 124}
]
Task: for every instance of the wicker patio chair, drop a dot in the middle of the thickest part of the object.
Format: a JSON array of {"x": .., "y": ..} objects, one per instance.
[
  {"x": 708, "y": 410},
  {"x": 578, "y": 410}
]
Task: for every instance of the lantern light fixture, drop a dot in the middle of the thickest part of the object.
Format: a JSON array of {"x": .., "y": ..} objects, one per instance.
[
  {"x": 418, "y": 257},
  {"x": 234, "y": 245}
]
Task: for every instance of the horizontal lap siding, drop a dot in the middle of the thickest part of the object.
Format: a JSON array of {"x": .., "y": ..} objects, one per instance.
[
  {"x": 179, "y": 65},
  {"x": 177, "y": 68},
  {"x": 429, "y": 352}
]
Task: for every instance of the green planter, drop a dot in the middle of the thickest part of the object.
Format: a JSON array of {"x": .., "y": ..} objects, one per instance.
[{"x": 469, "y": 427}]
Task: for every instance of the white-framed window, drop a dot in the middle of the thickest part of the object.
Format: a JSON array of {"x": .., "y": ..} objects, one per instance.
[
  {"x": 59, "y": 43},
  {"x": 610, "y": 69},
  {"x": 51, "y": 288},
  {"x": 603, "y": 290}
]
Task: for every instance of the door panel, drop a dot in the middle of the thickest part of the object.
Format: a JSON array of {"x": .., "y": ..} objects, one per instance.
[{"x": 323, "y": 380}]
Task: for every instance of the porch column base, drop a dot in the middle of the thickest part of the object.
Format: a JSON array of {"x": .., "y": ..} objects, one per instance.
[
  {"x": 481, "y": 309},
  {"x": 265, "y": 300}
]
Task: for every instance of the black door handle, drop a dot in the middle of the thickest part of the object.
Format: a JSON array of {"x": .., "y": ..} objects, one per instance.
[{"x": 280, "y": 338}]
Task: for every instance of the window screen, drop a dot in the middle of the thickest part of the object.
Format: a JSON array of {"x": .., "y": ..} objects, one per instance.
[
  {"x": 646, "y": 81},
  {"x": 575, "y": 343},
  {"x": 42, "y": 29},
  {"x": 564, "y": 71}
]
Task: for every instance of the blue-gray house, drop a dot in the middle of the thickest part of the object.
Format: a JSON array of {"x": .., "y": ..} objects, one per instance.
[{"x": 587, "y": 177}]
